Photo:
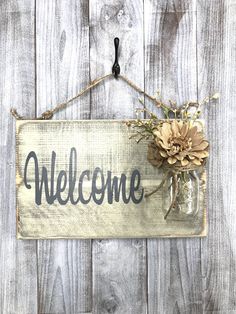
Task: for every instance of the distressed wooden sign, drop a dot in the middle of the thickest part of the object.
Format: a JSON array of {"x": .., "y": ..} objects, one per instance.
[{"x": 87, "y": 179}]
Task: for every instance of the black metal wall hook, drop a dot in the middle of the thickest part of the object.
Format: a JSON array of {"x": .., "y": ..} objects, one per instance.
[{"x": 116, "y": 66}]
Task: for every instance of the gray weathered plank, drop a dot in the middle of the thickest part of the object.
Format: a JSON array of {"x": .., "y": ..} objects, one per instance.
[
  {"x": 62, "y": 42},
  {"x": 119, "y": 266},
  {"x": 174, "y": 266},
  {"x": 18, "y": 267},
  {"x": 216, "y": 72}
]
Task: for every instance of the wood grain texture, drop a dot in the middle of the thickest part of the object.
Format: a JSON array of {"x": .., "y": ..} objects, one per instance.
[
  {"x": 216, "y": 72},
  {"x": 62, "y": 59},
  {"x": 119, "y": 278},
  {"x": 18, "y": 265},
  {"x": 119, "y": 268},
  {"x": 174, "y": 266}
]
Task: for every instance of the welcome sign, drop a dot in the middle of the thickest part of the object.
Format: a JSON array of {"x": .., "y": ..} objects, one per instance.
[{"x": 87, "y": 179}]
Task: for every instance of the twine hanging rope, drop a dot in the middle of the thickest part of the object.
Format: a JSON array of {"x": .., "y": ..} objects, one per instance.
[{"x": 48, "y": 114}]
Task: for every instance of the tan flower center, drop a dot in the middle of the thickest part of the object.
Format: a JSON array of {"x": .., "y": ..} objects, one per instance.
[{"x": 179, "y": 144}]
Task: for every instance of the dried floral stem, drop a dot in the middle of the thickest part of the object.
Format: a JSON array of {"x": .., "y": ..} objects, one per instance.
[{"x": 176, "y": 189}]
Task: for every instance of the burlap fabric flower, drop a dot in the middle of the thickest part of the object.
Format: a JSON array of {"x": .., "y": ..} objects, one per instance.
[{"x": 178, "y": 144}]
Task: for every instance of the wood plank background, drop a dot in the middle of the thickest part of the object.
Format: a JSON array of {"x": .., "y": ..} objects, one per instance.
[{"x": 49, "y": 50}]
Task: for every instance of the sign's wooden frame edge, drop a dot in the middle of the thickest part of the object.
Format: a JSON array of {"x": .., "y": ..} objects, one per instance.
[{"x": 20, "y": 122}]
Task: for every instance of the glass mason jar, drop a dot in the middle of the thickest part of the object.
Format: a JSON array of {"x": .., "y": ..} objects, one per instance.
[{"x": 186, "y": 204}]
